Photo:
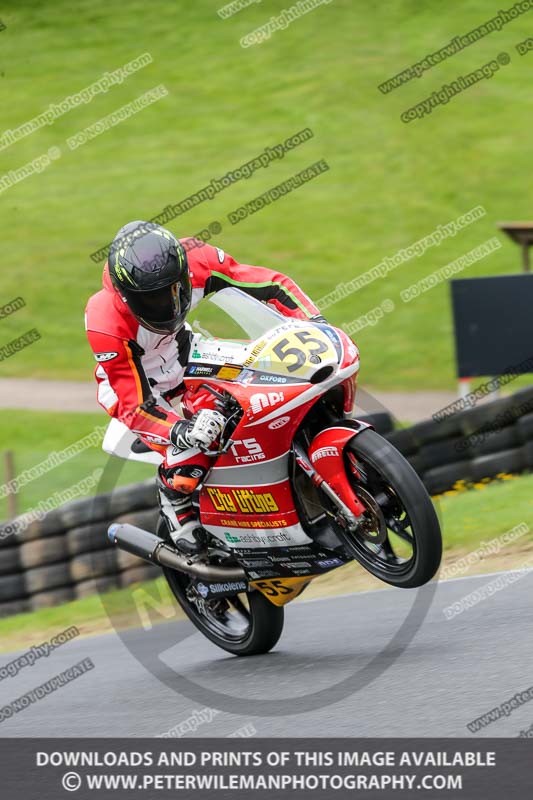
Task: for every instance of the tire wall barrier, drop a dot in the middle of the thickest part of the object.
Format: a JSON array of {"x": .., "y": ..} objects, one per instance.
[
  {"x": 481, "y": 443},
  {"x": 67, "y": 554}
]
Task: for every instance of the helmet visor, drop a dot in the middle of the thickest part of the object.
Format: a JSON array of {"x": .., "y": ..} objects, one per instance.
[{"x": 161, "y": 310}]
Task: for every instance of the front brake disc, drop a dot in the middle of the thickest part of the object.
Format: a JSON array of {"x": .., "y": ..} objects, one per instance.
[{"x": 372, "y": 527}]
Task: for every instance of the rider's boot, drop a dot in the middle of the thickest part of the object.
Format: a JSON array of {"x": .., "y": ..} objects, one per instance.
[{"x": 175, "y": 495}]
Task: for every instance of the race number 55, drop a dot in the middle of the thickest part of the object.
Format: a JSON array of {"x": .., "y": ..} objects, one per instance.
[
  {"x": 283, "y": 349},
  {"x": 274, "y": 587}
]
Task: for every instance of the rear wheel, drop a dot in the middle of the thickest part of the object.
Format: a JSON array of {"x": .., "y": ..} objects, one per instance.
[
  {"x": 399, "y": 540},
  {"x": 244, "y": 624}
]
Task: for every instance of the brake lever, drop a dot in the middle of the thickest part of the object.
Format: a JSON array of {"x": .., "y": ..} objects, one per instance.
[
  {"x": 223, "y": 401},
  {"x": 220, "y": 452},
  {"x": 215, "y": 392},
  {"x": 227, "y": 444}
]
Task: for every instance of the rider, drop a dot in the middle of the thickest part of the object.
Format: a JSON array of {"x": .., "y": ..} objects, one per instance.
[{"x": 137, "y": 330}]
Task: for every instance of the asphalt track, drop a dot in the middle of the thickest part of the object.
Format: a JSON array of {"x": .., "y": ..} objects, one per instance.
[{"x": 451, "y": 672}]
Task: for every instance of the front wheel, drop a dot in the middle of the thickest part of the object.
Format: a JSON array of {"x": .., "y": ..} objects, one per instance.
[
  {"x": 399, "y": 540},
  {"x": 245, "y": 624}
]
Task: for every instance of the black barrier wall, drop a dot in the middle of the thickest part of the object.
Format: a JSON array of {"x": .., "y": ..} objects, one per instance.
[{"x": 67, "y": 554}]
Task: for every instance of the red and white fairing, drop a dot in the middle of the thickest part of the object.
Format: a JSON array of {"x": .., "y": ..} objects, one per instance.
[{"x": 247, "y": 499}]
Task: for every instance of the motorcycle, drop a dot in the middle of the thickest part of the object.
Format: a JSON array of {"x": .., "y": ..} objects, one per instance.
[{"x": 297, "y": 487}]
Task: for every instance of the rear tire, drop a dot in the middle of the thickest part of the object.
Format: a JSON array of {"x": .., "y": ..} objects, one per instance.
[{"x": 262, "y": 622}]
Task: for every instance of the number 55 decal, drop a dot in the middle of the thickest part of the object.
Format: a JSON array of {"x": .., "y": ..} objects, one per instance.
[
  {"x": 282, "y": 590},
  {"x": 273, "y": 588},
  {"x": 283, "y": 348}
]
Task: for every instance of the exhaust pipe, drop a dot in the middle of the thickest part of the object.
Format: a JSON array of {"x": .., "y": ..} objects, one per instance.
[{"x": 152, "y": 548}]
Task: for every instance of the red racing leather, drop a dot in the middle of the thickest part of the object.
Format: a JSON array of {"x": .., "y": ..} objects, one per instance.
[{"x": 136, "y": 367}]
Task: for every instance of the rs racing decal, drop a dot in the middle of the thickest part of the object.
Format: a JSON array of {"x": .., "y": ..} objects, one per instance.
[{"x": 105, "y": 356}]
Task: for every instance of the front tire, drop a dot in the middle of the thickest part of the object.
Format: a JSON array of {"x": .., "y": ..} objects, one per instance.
[
  {"x": 400, "y": 515},
  {"x": 244, "y": 625}
]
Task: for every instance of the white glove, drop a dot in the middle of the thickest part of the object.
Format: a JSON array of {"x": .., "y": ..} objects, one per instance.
[{"x": 201, "y": 431}]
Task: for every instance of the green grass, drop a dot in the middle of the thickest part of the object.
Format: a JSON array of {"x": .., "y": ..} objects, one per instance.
[
  {"x": 477, "y": 515},
  {"x": 89, "y": 614},
  {"x": 33, "y": 436},
  {"x": 468, "y": 518},
  {"x": 85, "y": 610},
  {"x": 389, "y": 183}
]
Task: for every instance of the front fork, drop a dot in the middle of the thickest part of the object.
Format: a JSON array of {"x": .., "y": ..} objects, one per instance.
[{"x": 325, "y": 467}]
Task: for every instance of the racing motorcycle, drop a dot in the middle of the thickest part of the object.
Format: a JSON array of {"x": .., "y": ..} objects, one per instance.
[{"x": 297, "y": 487}]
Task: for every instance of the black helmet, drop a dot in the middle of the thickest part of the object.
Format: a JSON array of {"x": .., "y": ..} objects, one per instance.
[{"x": 148, "y": 266}]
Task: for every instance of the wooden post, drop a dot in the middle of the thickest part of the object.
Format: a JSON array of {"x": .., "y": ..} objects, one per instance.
[
  {"x": 525, "y": 257},
  {"x": 9, "y": 474},
  {"x": 522, "y": 234}
]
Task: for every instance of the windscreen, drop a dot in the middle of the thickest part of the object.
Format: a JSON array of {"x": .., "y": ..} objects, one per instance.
[{"x": 254, "y": 317}]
